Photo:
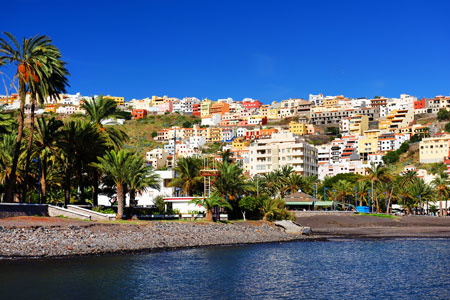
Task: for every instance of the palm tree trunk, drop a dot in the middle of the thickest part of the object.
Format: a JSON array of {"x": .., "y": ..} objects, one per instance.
[
  {"x": 132, "y": 199},
  {"x": 43, "y": 184},
  {"x": 120, "y": 201},
  {"x": 95, "y": 191},
  {"x": 209, "y": 216},
  {"x": 440, "y": 204},
  {"x": 9, "y": 196},
  {"x": 30, "y": 143},
  {"x": 67, "y": 188}
]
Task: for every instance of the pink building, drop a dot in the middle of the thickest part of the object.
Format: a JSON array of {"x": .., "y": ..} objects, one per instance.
[{"x": 165, "y": 107}]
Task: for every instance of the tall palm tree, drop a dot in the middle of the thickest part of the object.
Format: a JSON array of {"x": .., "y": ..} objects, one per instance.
[
  {"x": 421, "y": 192},
  {"x": 47, "y": 135},
  {"x": 376, "y": 174},
  {"x": 188, "y": 175},
  {"x": 441, "y": 183},
  {"x": 231, "y": 183},
  {"x": 294, "y": 182},
  {"x": 81, "y": 144},
  {"x": 140, "y": 177},
  {"x": 362, "y": 189},
  {"x": 343, "y": 189},
  {"x": 34, "y": 60},
  {"x": 116, "y": 165},
  {"x": 100, "y": 109}
]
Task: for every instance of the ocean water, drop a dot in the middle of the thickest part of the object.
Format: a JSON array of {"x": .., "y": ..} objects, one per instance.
[{"x": 354, "y": 269}]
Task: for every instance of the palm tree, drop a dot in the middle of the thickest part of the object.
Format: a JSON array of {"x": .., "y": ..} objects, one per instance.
[
  {"x": 294, "y": 182},
  {"x": 188, "y": 175},
  {"x": 48, "y": 133},
  {"x": 441, "y": 182},
  {"x": 116, "y": 165},
  {"x": 269, "y": 206},
  {"x": 362, "y": 188},
  {"x": 141, "y": 177},
  {"x": 270, "y": 183},
  {"x": 231, "y": 183},
  {"x": 81, "y": 144},
  {"x": 343, "y": 189},
  {"x": 421, "y": 191},
  {"x": 408, "y": 178},
  {"x": 99, "y": 110},
  {"x": 209, "y": 204},
  {"x": 41, "y": 73},
  {"x": 377, "y": 174}
]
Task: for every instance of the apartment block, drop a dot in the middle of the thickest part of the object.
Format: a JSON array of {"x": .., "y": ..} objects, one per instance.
[
  {"x": 333, "y": 117},
  {"x": 282, "y": 149},
  {"x": 434, "y": 149}
]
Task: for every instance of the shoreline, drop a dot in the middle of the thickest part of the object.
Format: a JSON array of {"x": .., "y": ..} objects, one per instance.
[{"x": 30, "y": 238}]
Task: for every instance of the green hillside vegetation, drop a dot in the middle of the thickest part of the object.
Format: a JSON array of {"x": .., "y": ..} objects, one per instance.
[{"x": 141, "y": 132}]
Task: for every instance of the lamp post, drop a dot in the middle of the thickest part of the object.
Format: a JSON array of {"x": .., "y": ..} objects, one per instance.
[
  {"x": 356, "y": 196},
  {"x": 370, "y": 199},
  {"x": 325, "y": 193},
  {"x": 257, "y": 184},
  {"x": 334, "y": 203}
]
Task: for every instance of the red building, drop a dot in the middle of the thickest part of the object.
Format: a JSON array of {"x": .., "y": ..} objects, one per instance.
[
  {"x": 139, "y": 114},
  {"x": 252, "y": 104},
  {"x": 420, "y": 103},
  {"x": 196, "y": 109}
]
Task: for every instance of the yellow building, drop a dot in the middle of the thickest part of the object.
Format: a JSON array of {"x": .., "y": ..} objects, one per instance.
[
  {"x": 272, "y": 114},
  {"x": 367, "y": 146},
  {"x": 205, "y": 108},
  {"x": 358, "y": 124},
  {"x": 239, "y": 144},
  {"x": 157, "y": 100},
  {"x": 373, "y": 133},
  {"x": 214, "y": 134},
  {"x": 397, "y": 119},
  {"x": 434, "y": 149},
  {"x": 298, "y": 128},
  {"x": 119, "y": 100},
  {"x": 331, "y": 102}
]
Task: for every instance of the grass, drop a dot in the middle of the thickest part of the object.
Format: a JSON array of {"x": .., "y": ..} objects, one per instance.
[{"x": 377, "y": 215}]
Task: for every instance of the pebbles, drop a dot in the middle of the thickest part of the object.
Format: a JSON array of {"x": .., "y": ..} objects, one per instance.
[{"x": 54, "y": 241}]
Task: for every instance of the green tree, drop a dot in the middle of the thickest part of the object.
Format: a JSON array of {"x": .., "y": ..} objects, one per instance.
[
  {"x": 248, "y": 204},
  {"x": 231, "y": 183},
  {"x": 116, "y": 165},
  {"x": 188, "y": 175},
  {"x": 377, "y": 174},
  {"x": 140, "y": 177},
  {"x": 443, "y": 114},
  {"x": 270, "y": 207},
  {"x": 100, "y": 109},
  {"x": 47, "y": 135},
  {"x": 209, "y": 204},
  {"x": 36, "y": 59},
  {"x": 390, "y": 157},
  {"x": 441, "y": 183},
  {"x": 343, "y": 189}
]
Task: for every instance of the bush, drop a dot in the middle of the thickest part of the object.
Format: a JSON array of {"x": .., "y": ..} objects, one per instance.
[
  {"x": 447, "y": 127},
  {"x": 443, "y": 114},
  {"x": 390, "y": 158}
]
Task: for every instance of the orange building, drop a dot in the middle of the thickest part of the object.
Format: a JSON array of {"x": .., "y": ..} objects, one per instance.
[
  {"x": 139, "y": 114},
  {"x": 219, "y": 108},
  {"x": 267, "y": 133}
]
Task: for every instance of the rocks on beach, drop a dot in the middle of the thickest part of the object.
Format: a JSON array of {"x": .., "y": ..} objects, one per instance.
[{"x": 97, "y": 238}]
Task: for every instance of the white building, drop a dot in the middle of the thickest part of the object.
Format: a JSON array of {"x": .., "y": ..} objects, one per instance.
[
  {"x": 213, "y": 120},
  {"x": 282, "y": 149}
]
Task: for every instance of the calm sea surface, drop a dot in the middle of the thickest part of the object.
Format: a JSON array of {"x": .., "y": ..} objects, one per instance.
[{"x": 389, "y": 269}]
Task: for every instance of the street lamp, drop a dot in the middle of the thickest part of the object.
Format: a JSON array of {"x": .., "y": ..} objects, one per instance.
[
  {"x": 370, "y": 199},
  {"x": 356, "y": 196},
  {"x": 325, "y": 193}
]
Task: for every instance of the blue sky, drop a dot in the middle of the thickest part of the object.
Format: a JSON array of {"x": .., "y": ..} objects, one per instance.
[{"x": 268, "y": 50}]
